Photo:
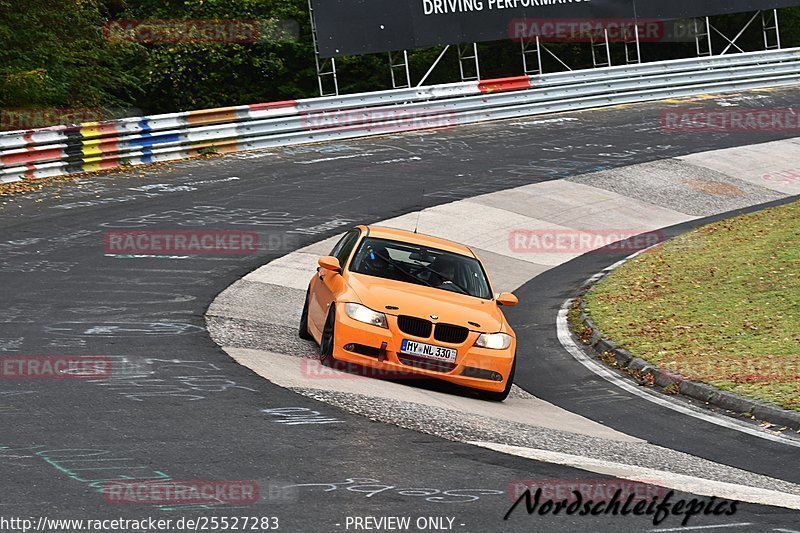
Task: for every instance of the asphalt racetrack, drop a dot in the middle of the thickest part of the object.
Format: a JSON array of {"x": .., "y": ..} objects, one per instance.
[{"x": 176, "y": 407}]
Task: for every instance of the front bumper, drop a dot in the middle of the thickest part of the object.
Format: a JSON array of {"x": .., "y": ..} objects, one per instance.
[{"x": 477, "y": 368}]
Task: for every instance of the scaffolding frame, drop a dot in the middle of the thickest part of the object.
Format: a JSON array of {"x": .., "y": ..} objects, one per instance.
[
  {"x": 769, "y": 27},
  {"x": 703, "y": 36},
  {"x": 531, "y": 52},
  {"x": 633, "y": 50},
  {"x": 326, "y": 67},
  {"x": 464, "y": 60},
  {"x": 531, "y": 48},
  {"x": 601, "y": 50},
  {"x": 399, "y": 60},
  {"x": 769, "y": 23}
]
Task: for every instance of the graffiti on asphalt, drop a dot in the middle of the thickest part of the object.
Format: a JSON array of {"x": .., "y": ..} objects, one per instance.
[{"x": 371, "y": 487}]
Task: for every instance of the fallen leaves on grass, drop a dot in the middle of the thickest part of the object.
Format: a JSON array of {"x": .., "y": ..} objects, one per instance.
[{"x": 726, "y": 296}]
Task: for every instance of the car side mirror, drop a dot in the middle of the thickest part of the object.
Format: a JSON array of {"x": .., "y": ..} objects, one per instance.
[
  {"x": 506, "y": 299},
  {"x": 330, "y": 263}
]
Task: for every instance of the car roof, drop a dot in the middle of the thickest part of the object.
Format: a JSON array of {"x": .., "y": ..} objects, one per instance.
[{"x": 381, "y": 232}]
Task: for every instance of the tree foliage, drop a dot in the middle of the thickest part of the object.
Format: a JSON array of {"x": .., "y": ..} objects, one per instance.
[
  {"x": 189, "y": 75},
  {"x": 59, "y": 53},
  {"x": 52, "y": 53}
]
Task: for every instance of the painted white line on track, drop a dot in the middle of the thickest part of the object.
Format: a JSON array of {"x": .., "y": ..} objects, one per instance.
[
  {"x": 786, "y": 530},
  {"x": 565, "y": 338},
  {"x": 651, "y": 476},
  {"x": 142, "y": 270},
  {"x": 398, "y": 160},
  {"x": 324, "y": 159},
  {"x": 146, "y": 256},
  {"x": 696, "y": 528},
  {"x": 544, "y": 121}
]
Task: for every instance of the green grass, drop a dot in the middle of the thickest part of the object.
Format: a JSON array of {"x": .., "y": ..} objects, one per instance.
[{"x": 720, "y": 305}]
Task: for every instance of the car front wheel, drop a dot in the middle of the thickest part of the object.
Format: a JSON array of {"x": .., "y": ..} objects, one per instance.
[
  {"x": 303, "y": 329},
  {"x": 326, "y": 343}
]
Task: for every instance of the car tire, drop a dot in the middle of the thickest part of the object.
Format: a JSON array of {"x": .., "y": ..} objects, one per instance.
[
  {"x": 502, "y": 395},
  {"x": 326, "y": 341},
  {"x": 302, "y": 331}
]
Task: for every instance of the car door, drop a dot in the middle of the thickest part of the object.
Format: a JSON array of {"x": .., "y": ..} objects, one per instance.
[{"x": 328, "y": 284}]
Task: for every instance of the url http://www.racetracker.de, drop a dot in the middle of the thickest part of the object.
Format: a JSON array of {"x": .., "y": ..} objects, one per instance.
[{"x": 201, "y": 523}]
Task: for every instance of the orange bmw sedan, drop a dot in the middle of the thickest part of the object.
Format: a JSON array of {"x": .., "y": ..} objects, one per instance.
[{"x": 401, "y": 302}]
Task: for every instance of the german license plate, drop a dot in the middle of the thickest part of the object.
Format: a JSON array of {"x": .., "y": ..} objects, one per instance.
[{"x": 428, "y": 351}]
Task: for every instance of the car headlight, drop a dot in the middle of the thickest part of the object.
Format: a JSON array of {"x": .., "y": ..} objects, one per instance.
[
  {"x": 365, "y": 314},
  {"x": 494, "y": 341}
]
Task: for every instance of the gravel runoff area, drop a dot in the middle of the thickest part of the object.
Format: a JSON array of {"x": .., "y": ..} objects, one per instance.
[{"x": 681, "y": 186}]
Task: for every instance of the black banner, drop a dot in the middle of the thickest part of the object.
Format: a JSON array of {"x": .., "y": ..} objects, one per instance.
[{"x": 353, "y": 27}]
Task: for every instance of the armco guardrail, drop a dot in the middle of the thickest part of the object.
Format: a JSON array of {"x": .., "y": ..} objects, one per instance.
[{"x": 132, "y": 141}]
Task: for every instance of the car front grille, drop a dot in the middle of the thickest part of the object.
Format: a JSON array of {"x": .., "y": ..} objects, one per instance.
[
  {"x": 417, "y": 327},
  {"x": 450, "y": 333}
]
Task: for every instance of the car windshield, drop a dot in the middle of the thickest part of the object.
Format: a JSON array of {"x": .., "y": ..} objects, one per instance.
[{"x": 413, "y": 263}]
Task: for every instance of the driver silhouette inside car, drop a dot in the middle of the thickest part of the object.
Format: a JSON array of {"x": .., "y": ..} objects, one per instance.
[
  {"x": 375, "y": 263},
  {"x": 445, "y": 273}
]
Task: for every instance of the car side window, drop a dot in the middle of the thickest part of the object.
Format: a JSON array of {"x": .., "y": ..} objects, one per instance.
[{"x": 345, "y": 246}]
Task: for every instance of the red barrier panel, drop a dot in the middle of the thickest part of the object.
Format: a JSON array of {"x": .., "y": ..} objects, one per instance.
[{"x": 517, "y": 83}]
